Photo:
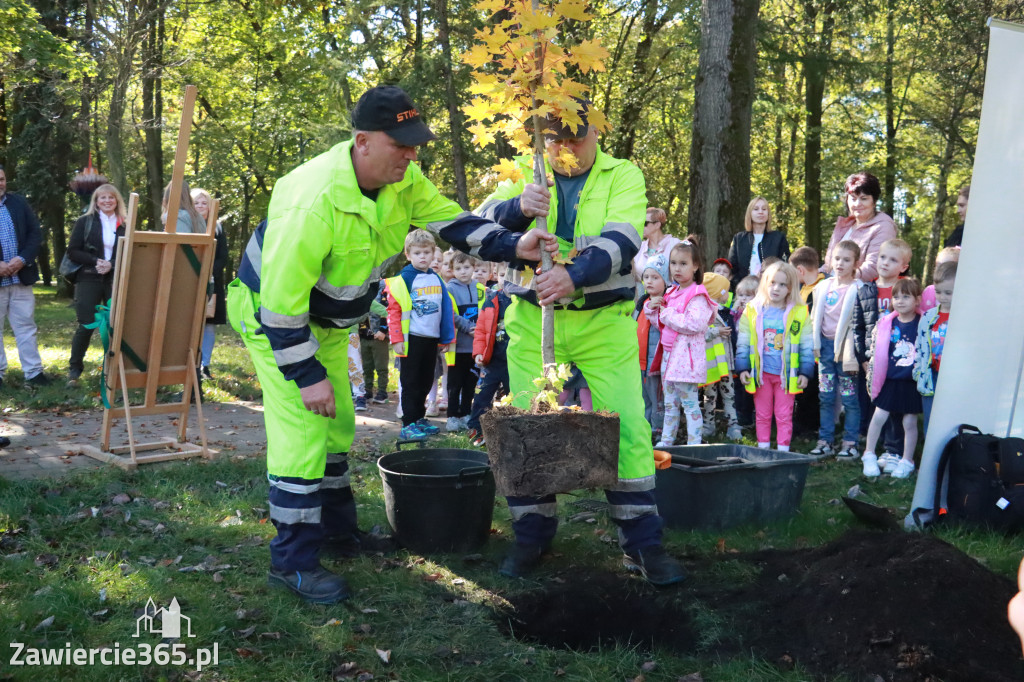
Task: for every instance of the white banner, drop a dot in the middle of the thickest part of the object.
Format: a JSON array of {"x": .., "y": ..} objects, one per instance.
[{"x": 980, "y": 379}]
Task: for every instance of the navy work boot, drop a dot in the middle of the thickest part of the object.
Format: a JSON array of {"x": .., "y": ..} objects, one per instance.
[
  {"x": 656, "y": 565},
  {"x": 357, "y": 544},
  {"x": 317, "y": 585},
  {"x": 521, "y": 560}
]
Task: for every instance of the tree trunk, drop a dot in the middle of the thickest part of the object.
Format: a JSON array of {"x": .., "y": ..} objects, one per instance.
[
  {"x": 454, "y": 113},
  {"x": 815, "y": 63},
  {"x": 635, "y": 98},
  {"x": 3, "y": 123},
  {"x": 890, "y": 112},
  {"x": 723, "y": 97},
  {"x": 941, "y": 199},
  {"x": 152, "y": 114}
]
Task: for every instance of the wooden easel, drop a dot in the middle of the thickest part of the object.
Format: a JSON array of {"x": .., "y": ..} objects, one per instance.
[{"x": 157, "y": 315}]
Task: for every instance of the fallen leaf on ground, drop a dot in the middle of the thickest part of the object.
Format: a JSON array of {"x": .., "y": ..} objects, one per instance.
[
  {"x": 384, "y": 654},
  {"x": 45, "y": 623},
  {"x": 649, "y": 666},
  {"x": 333, "y": 622},
  {"x": 432, "y": 577}
]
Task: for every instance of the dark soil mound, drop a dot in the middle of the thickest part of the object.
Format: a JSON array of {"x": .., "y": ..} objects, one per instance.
[
  {"x": 598, "y": 610},
  {"x": 904, "y": 607}
]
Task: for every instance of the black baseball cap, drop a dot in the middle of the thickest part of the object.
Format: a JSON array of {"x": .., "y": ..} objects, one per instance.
[
  {"x": 555, "y": 129},
  {"x": 389, "y": 109}
]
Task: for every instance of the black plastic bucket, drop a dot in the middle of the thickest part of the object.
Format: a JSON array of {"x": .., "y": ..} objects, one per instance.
[{"x": 438, "y": 500}]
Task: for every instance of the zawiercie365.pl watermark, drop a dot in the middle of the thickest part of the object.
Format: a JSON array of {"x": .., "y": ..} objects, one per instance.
[{"x": 141, "y": 654}]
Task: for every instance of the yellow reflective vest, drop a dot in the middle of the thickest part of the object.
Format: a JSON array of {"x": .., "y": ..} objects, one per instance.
[
  {"x": 796, "y": 322},
  {"x": 398, "y": 290}
]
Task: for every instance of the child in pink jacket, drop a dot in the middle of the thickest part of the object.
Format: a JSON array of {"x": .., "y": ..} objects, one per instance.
[
  {"x": 683, "y": 315},
  {"x": 891, "y": 381}
]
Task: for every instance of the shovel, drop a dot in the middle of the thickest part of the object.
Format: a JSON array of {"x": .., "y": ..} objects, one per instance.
[{"x": 872, "y": 514}]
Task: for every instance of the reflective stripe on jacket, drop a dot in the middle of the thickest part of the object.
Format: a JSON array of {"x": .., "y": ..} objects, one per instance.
[{"x": 610, "y": 213}]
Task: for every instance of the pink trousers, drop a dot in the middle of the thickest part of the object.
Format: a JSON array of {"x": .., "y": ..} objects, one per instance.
[{"x": 769, "y": 399}]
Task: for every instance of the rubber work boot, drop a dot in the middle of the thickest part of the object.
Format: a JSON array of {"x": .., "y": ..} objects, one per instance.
[
  {"x": 521, "y": 560},
  {"x": 655, "y": 565},
  {"x": 317, "y": 585},
  {"x": 358, "y": 544}
]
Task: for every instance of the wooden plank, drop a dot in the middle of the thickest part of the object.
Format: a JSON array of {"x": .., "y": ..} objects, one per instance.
[
  {"x": 169, "y": 238},
  {"x": 180, "y": 154}
]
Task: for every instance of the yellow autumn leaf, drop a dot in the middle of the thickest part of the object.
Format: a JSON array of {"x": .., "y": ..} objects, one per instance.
[
  {"x": 482, "y": 135},
  {"x": 573, "y": 9},
  {"x": 542, "y": 110},
  {"x": 526, "y": 276},
  {"x": 565, "y": 259},
  {"x": 485, "y": 84},
  {"x": 597, "y": 119},
  {"x": 496, "y": 40},
  {"x": 478, "y": 110},
  {"x": 507, "y": 170},
  {"x": 536, "y": 21},
  {"x": 566, "y": 160},
  {"x": 477, "y": 56},
  {"x": 571, "y": 119},
  {"x": 589, "y": 55},
  {"x": 572, "y": 88},
  {"x": 490, "y": 7}
]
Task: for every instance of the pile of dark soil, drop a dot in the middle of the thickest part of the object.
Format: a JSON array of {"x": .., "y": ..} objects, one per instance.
[
  {"x": 902, "y": 606},
  {"x": 598, "y": 610},
  {"x": 879, "y": 607}
]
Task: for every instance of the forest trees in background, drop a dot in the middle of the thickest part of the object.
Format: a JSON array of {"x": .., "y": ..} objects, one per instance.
[{"x": 890, "y": 86}]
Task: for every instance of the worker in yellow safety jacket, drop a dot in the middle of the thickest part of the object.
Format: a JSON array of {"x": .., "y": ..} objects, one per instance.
[{"x": 308, "y": 274}]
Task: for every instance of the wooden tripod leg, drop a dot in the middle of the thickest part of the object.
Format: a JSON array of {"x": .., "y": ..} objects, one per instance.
[
  {"x": 127, "y": 408},
  {"x": 198, "y": 394},
  {"x": 108, "y": 422}
]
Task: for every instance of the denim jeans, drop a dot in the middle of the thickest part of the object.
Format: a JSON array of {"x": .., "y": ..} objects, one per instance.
[
  {"x": 831, "y": 379},
  {"x": 927, "y": 400}
]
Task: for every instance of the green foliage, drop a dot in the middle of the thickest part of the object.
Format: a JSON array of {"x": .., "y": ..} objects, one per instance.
[{"x": 277, "y": 80}]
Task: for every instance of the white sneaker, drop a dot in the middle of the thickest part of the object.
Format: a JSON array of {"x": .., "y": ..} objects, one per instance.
[
  {"x": 664, "y": 444},
  {"x": 734, "y": 433},
  {"x": 464, "y": 421},
  {"x": 453, "y": 424},
  {"x": 903, "y": 469},
  {"x": 822, "y": 449},
  {"x": 432, "y": 410},
  {"x": 871, "y": 469},
  {"x": 888, "y": 461},
  {"x": 848, "y": 451}
]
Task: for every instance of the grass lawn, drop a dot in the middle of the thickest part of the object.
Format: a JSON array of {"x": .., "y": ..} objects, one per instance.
[{"x": 90, "y": 550}]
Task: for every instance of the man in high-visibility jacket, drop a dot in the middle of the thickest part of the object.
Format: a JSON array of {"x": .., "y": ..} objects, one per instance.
[
  {"x": 309, "y": 273},
  {"x": 597, "y": 208}
]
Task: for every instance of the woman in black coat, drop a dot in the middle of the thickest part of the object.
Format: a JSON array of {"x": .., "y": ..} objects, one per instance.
[
  {"x": 203, "y": 201},
  {"x": 93, "y": 245},
  {"x": 745, "y": 258}
]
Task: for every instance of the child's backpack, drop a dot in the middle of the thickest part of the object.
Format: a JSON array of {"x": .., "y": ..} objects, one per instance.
[{"x": 985, "y": 480}]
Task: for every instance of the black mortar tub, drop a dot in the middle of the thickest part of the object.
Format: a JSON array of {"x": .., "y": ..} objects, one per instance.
[{"x": 438, "y": 500}]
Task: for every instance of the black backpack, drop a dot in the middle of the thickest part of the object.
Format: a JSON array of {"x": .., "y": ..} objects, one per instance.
[{"x": 986, "y": 480}]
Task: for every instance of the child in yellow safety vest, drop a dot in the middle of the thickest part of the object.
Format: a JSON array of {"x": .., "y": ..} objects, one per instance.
[
  {"x": 775, "y": 352},
  {"x": 718, "y": 341}
]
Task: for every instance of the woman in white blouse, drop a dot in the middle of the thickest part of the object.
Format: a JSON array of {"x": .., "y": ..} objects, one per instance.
[{"x": 93, "y": 245}]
